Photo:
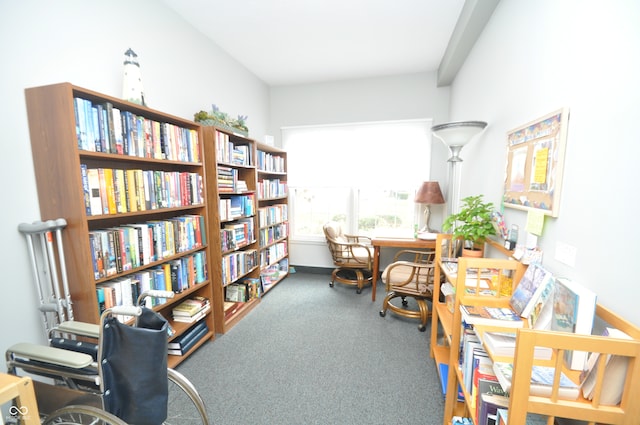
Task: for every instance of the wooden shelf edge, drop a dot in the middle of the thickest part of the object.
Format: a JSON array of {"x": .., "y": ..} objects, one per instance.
[
  {"x": 174, "y": 361},
  {"x": 239, "y": 314}
]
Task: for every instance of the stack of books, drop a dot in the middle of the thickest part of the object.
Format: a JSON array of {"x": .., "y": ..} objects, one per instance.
[
  {"x": 186, "y": 341},
  {"x": 191, "y": 310}
]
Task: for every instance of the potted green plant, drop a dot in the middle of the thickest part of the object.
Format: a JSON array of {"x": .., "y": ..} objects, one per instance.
[{"x": 472, "y": 223}]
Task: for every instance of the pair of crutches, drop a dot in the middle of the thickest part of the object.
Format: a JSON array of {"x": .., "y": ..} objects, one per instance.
[{"x": 44, "y": 241}]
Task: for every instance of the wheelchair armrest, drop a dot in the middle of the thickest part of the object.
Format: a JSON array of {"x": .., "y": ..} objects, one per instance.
[
  {"x": 90, "y": 330},
  {"x": 56, "y": 356}
]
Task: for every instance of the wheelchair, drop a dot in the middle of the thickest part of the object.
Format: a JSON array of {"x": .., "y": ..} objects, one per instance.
[{"x": 109, "y": 374}]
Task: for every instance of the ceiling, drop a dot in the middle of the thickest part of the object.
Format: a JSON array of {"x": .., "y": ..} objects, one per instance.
[{"x": 285, "y": 42}]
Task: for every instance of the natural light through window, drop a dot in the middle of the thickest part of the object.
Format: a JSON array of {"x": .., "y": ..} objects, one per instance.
[{"x": 363, "y": 175}]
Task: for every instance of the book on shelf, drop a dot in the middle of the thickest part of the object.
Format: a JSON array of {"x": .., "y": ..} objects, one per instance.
[
  {"x": 489, "y": 404},
  {"x": 528, "y": 291},
  {"x": 615, "y": 372},
  {"x": 461, "y": 420},
  {"x": 574, "y": 309},
  {"x": 188, "y": 343},
  {"x": 541, "y": 381},
  {"x": 504, "y": 344},
  {"x": 491, "y": 316},
  {"x": 191, "y": 310}
]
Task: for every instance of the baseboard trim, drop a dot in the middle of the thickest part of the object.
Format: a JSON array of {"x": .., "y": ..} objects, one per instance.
[{"x": 314, "y": 270}]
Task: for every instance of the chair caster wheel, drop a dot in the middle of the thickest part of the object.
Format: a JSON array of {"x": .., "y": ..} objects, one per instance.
[
  {"x": 405, "y": 303},
  {"x": 422, "y": 328},
  {"x": 359, "y": 291},
  {"x": 383, "y": 313},
  {"x": 330, "y": 284}
]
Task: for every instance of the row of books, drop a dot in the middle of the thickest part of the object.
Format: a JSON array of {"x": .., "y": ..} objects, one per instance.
[
  {"x": 273, "y": 253},
  {"x": 101, "y": 127},
  {"x": 488, "y": 383},
  {"x": 545, "y": 302},
  {"x": 236, "y": 206},
  {"x": 191, "y": 310},
  {"x": 273, "y": 214},
  {"x": 122, "y": 248},
  {"x": 180, "y": 345},
  {"x": 227, "y": 179},
  {"x": 227, "y": 151},
  {"x": 237, "y": 234},
  {"x": 271, "y": 188},
  {"x": 269, "y": 235},
  {"x": 271, "y": 163},
  {"x": 243, "y": 290},
  {"x": 177, "y": 276},
  {"x": 274, "y": 273},
  {"x": 237, "y": 264},
  {"x": 113, "y": 191}
]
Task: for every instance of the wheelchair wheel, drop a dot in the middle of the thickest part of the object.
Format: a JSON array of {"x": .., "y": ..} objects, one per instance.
[
  {"x": 185, "y": 404},
  {"x": 82, "y": 415}
]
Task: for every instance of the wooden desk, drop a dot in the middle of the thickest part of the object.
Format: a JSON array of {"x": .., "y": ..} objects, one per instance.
[
  {"x": 21, "y": 389},
  {"x": 379, "y": 242}
]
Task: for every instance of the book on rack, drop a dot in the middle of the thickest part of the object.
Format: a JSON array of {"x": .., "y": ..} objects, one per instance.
[
  {"x": 528, "y": 291},
  {"x": 615, "y": 372},
  {"x": 541, "y": 381},
  {"x": 574, "y": 309},
  {"x": 191, "y": 310},
  {"x": 504, "y": 344},
  {"x": 490, "y": 316},
  {"x": 489, "y": 404},
  {"x": 182, "y": 344}
]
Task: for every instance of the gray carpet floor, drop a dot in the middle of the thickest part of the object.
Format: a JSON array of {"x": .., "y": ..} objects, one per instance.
[{"x": 312, "y": 354}]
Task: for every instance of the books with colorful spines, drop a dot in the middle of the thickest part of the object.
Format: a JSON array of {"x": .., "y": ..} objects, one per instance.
[
  {"x": 615, "y": 372},
  {"x": 573, "y": 311},
  {"x": 541, "y": 381},
  {"x": 491, "y": 316},
  {"x": 529, "y": 289},
  {"x": 504, "y": 344}
]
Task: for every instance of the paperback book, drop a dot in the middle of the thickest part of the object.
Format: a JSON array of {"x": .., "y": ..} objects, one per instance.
[
  {"x": 574, "y": 309},
  {"x": 490, "y": 316},
  {"x": 541, "y": 381},
  {"x": 528, "y": 291}
]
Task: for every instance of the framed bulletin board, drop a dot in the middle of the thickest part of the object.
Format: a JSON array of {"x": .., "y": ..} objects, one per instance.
[{"x": 535, "y": 161}]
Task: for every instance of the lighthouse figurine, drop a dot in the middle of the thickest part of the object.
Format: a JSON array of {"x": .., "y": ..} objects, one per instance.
[{"x": 132, "y": 89}]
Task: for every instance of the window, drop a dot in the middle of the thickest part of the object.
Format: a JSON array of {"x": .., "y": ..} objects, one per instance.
[{"x": 363, "y": 175}]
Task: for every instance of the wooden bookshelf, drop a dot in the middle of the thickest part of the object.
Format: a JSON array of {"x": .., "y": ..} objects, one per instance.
[
  {"x": 273, "y": 215},
  {"x": 446, "y": 337},
  {"x": 233, "y": 263},
  {"x": 60, "y": 152}
]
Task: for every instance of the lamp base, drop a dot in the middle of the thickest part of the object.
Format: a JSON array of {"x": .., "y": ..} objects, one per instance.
[{"x": 428, "y": 236}]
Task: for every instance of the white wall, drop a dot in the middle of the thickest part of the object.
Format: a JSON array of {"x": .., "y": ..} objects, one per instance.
[
  {"x": 534, "y": 57},
  {"x": 401, "y": 97},
  {"x": 83, "y": 43}
]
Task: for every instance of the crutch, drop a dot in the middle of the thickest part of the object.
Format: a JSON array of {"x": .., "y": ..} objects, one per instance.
[{"x": 59, "y": 302}]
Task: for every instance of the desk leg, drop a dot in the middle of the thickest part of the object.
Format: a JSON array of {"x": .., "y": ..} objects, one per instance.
[{"x": 374, "y": 278}]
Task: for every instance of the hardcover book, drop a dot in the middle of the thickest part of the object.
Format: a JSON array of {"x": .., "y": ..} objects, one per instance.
[
  {"x": 574, "y": 309},
  {"x": 541, "y": 381},
  {"x": 491, "y": 316},
  {"x": 528, "y": 291}
]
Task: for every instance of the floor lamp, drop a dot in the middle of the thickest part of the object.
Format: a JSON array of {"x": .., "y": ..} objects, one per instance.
[{"x": 455, "y": 135}]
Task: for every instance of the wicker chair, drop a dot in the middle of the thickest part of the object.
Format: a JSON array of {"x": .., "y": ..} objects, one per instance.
[
  {"x": 352, "y": 257},
  {"x": 410, "y": 275}
]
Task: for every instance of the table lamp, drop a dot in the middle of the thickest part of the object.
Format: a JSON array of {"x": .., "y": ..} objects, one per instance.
[
  {"x": 455, "y": 135},
  {"x": 429, "y": 194}
]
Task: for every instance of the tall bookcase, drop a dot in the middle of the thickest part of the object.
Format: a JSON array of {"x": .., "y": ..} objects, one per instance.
[
  {"x": 157, "y": 205},
  {"x": 231, "y": 178},
  {"x": 273, "y": 214}
]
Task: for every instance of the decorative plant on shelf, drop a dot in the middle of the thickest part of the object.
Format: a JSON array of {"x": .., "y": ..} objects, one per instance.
[
  {"x": 222, "y": 119},
  {"x": 472, "y": 223}
]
